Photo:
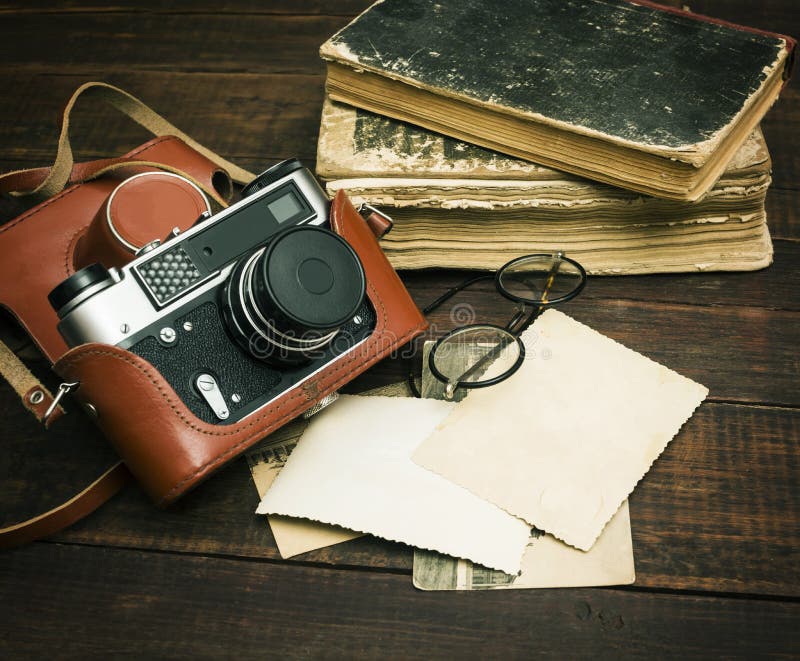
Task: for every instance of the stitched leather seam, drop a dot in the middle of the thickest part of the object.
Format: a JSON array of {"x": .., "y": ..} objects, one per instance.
[
  {"x": 69, "y": 254},
  {"x": 41, "y": 207},
  {"x": 147, "y": 372},
  {"x": 169, "y": 400},
  {"x": 291, "y": 413}
]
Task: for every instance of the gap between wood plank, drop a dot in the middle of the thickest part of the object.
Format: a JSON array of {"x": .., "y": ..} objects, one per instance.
[{"x": 368, "y": 569}]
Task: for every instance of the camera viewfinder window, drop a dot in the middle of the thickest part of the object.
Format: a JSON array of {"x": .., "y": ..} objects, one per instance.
[{"x": 285, "y": 207}]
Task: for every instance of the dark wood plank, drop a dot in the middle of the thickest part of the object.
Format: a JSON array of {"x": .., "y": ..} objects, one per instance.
[
  {"x": 250, "y": 7},
  {"x": 773, "y": 16},
  {"x": 783, "y": 215},
  {"x": 89, "y": 603},
  {"x": 718, "y": 510},
  {"x": 94, "y": 44},
  {"x": 723, "y": 495},
  {"x": 781, "y": 128},
  {"x": 260, "y": 118}
]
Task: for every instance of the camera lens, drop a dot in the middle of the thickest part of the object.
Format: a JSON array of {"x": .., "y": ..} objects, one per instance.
[{"x": 287, "y": 300}]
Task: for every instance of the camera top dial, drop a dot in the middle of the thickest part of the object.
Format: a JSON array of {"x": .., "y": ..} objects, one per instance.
[
  {"x": 270, "y": 176},
  {"x": 80, "y": 285}
]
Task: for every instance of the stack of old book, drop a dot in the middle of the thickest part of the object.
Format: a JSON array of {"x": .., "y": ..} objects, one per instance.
[{"x": 624, "y": 133}]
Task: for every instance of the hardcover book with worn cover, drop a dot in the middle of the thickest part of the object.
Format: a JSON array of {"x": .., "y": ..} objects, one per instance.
[
  {"x": 629, "y": 93},
  {"x": 458, "y": 205}
]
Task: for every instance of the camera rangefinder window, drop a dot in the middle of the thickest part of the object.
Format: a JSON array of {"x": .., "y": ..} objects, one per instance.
[
  {"x": 252, "y": 224},
  {"x": 285, "y": 207}
]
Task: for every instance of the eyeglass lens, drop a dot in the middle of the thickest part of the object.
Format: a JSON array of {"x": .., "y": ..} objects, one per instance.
[
  {"x": 475, "y": 354},
  {"x": 540, "y": 279}
]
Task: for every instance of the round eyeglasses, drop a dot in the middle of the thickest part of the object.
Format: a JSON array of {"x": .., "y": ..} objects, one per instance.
[{"x": 480, "y": 355}]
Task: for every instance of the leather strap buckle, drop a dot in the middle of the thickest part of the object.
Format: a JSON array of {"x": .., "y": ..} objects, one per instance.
[
  {"x": 63, "y": 389},
  {"x": 379, "y": 222}
]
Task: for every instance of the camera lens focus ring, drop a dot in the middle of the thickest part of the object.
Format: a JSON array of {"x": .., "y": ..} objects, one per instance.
[{"x": 291, "y": 296}]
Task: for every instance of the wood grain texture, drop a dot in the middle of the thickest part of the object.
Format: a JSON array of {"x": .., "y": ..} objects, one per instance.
[
  {"x": 202, "y": 607},
  {"x": 346, "y": 8},
  {"x": 773, "y": 16},
  {"x": 262, "y": 117},
  {"x": 715, "y": 523},
  {"x": 718, "y": 511},
  {"x": 225, "y": 42},
  {"x": 783, "y": 216},
  {"x": 781, "y": 128}
]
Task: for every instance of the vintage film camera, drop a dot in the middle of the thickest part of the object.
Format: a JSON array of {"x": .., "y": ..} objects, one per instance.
[{"x": 239, "y": 308}]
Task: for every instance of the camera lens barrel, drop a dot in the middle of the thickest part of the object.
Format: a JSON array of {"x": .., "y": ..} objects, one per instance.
[{"x": 290, "y": 297}]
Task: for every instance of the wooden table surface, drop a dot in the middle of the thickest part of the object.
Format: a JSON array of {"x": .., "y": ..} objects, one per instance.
[{"x": 715, "y": 522}]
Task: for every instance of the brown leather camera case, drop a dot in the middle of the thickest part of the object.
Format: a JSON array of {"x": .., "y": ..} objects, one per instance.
[
  {"x": 38, "y": 248},
  {"x": 165, "y": 446},
  {"x": 161, "y": 442}
]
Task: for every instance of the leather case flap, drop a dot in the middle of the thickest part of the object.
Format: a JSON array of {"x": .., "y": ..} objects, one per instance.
[{"x": 42, "y": 240}]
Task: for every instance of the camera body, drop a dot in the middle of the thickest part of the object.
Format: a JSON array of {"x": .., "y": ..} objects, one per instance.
[{"x": 241, "y": 307}]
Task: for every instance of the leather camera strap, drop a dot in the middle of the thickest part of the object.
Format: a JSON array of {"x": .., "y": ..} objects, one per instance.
[
  {"x": 40, "y": 184},
  {"x": 72, "y": 511},
  {"x": 43, "y": 183}
]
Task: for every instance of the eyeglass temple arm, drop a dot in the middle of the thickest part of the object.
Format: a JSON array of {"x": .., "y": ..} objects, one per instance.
[
  {"x": 411, "y": 379},
  {"x": 454, "y": 290},
  {"x": 551, "y": 276}
]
